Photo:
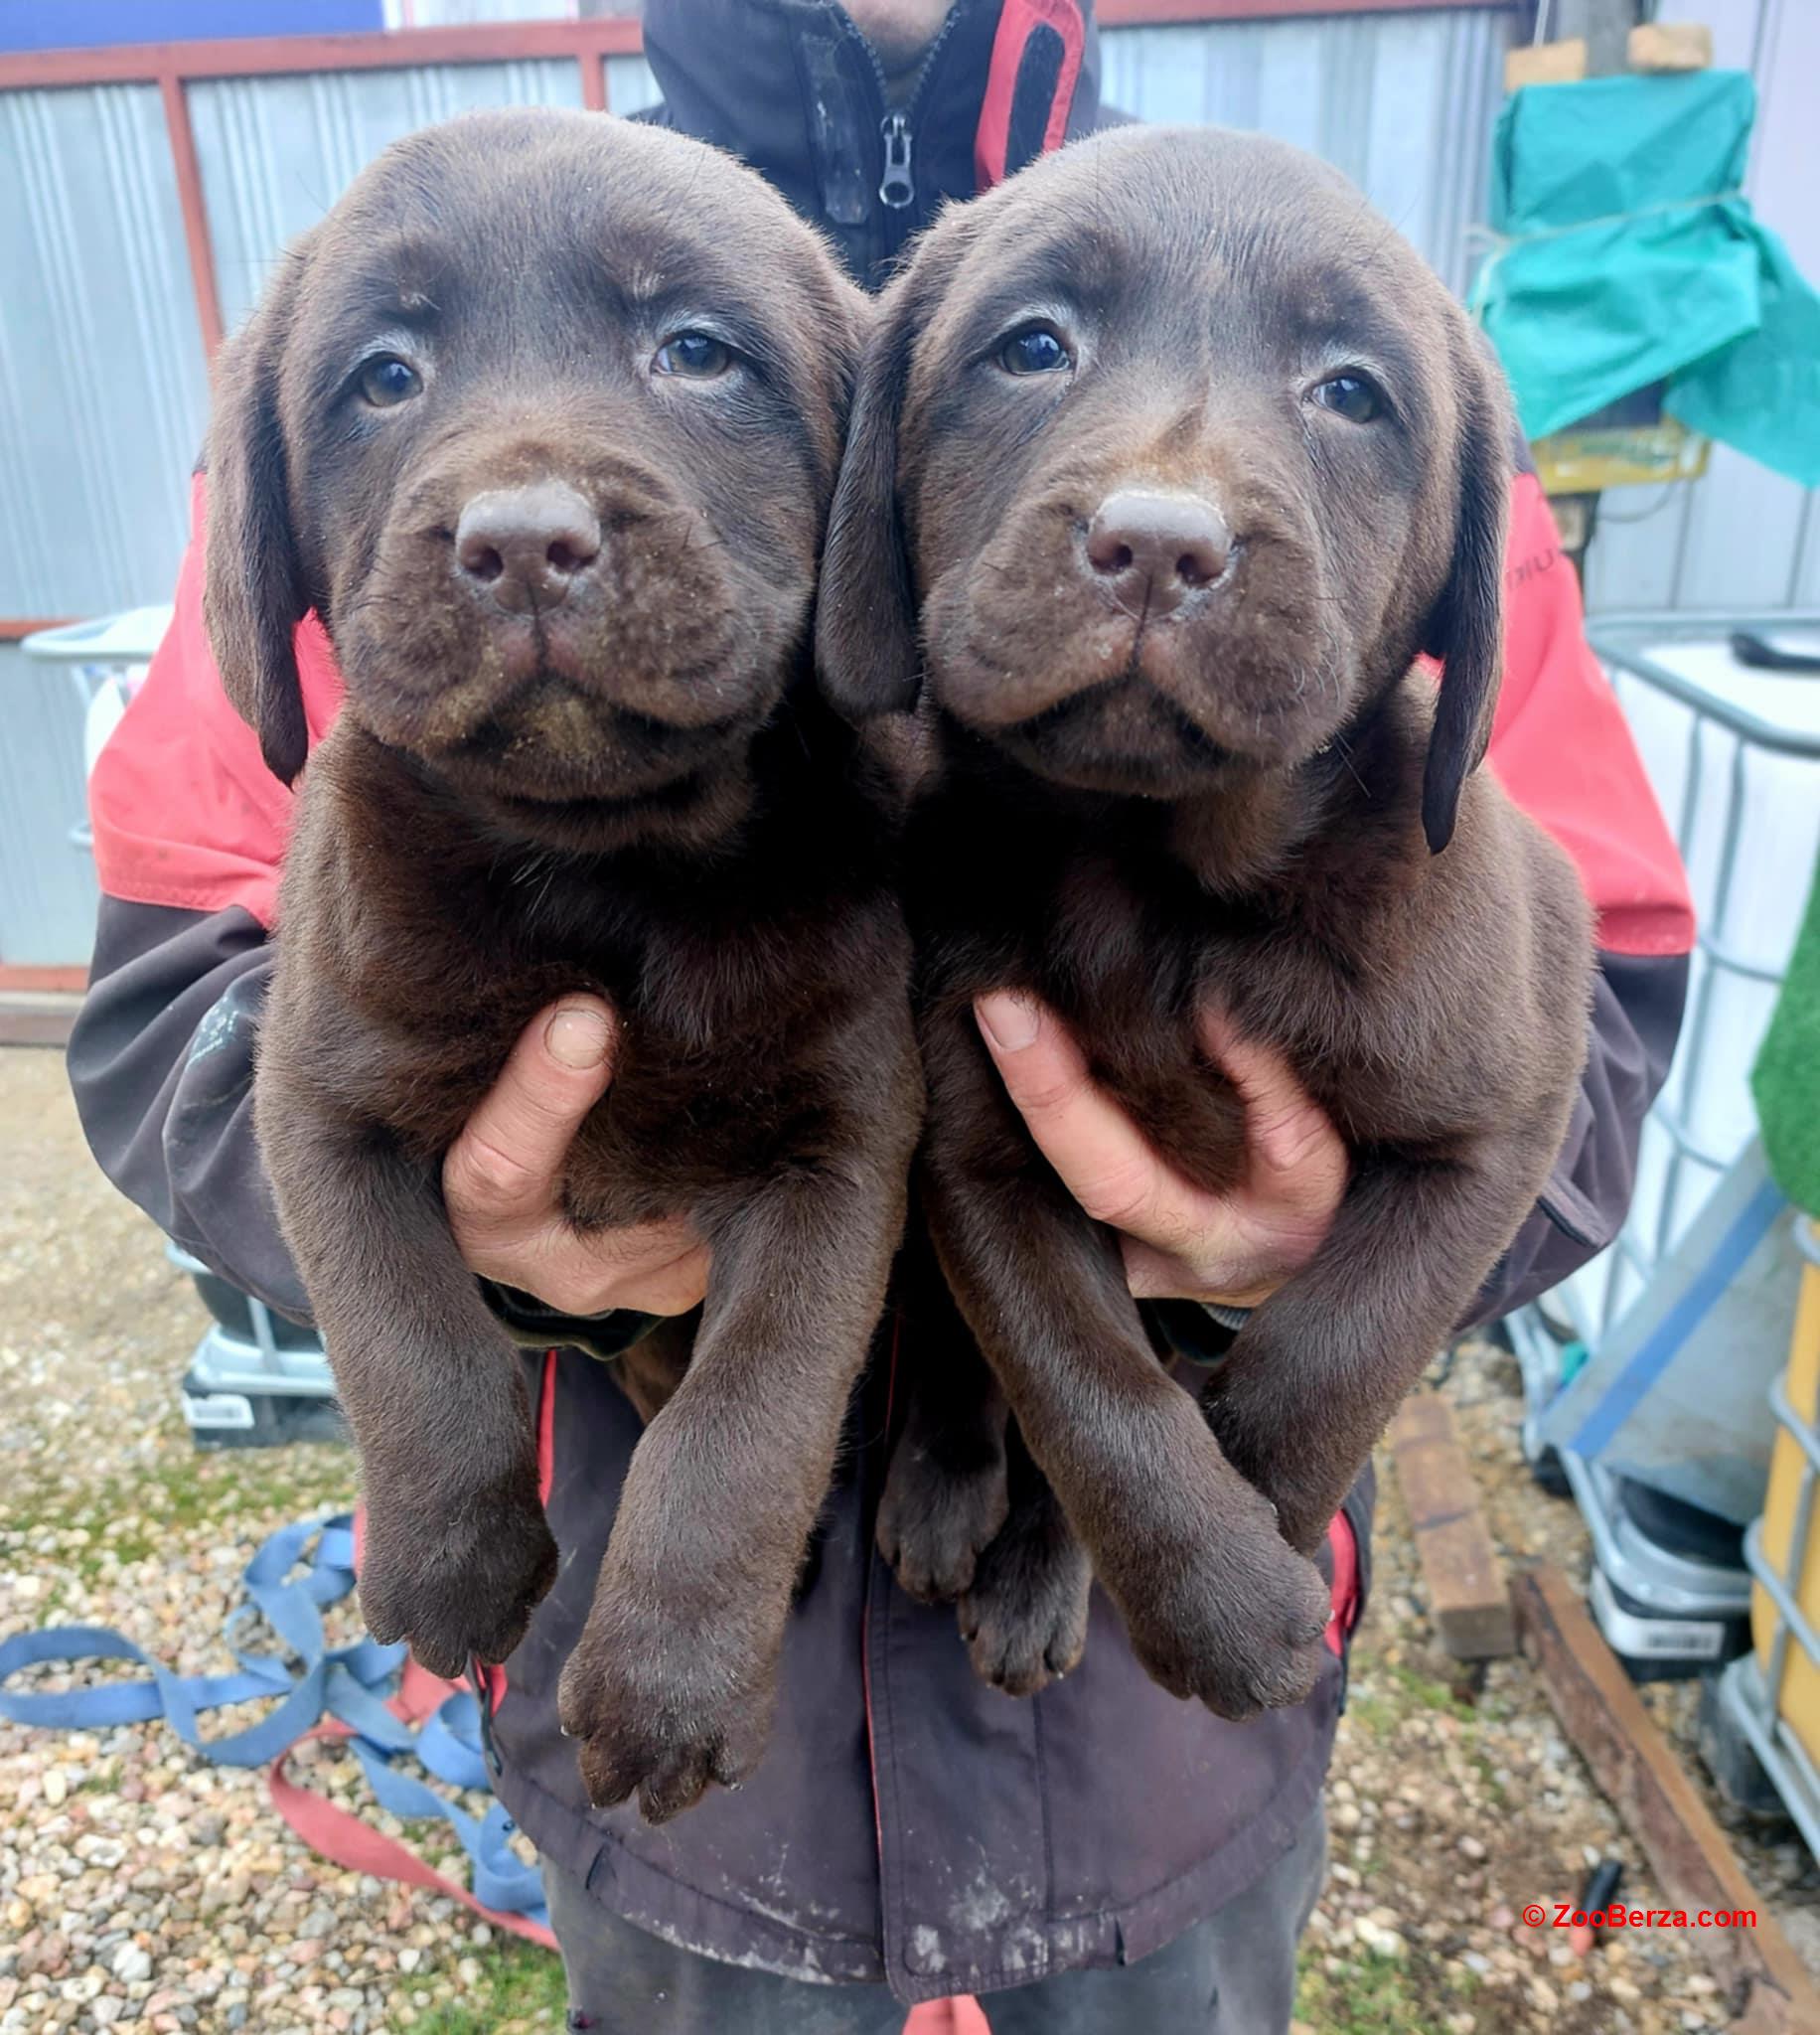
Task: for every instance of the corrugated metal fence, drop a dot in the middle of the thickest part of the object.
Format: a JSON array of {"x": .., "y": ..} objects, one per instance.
[{"x": 46, "y": 882}]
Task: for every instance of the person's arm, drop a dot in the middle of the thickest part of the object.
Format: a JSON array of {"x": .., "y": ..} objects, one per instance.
[
  {"x": 1563, "y": 751},
  {"x": 189, "y": 829},
  {"x": 188, "y": 834},
  {"x": 161, "y": 1064}
]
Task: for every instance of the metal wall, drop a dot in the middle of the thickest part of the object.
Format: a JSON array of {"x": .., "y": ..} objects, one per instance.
[
  {"x": 472, "y": 13},
  {"x": 1403, "y": 104},
  {"x": 1741, "y": 537},
  {"x": 103, "y": 388},
  {"x": 276, "y": 152},
  {"x": 46, "y": 882},
  {"x": 630, "y": 85},
  {"x": 103, "y": 392}
]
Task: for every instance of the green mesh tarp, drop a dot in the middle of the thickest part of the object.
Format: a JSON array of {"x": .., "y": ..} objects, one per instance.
[
  {"x": 1625, "y": 254},
  {"x": 1786, "y": 1078}
]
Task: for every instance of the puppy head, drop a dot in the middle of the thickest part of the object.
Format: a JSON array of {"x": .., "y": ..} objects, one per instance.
[
  {"x": 542, "y": 419},
  {"x": 1167, "y": 459}
]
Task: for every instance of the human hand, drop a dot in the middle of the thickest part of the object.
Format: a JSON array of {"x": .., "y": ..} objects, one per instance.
[
  {"x": 1179, "y": 1241},
  {"x": 502, "y": 1180}
]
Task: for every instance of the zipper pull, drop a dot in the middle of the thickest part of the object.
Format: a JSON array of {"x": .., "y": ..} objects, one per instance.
[{"x": 898, "y": 188}]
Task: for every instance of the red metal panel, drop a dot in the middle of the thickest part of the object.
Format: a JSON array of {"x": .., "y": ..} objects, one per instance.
[
  {"x": 268, "y": 56},
  {"x": 195, "y": 211},
  {"x": 36, "y": 981},
  {"x": 14, "y": 627}
]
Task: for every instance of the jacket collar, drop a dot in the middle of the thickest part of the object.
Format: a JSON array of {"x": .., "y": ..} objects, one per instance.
[{"x": 794, "y": 88}]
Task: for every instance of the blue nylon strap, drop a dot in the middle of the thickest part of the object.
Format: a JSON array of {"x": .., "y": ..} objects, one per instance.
[
  {"x": 311, "y": 1681},
  {"x": 449, "y": 1743},
  {"x": 500, "y": 1879},
  {"x": 175, "y": 1697},
  {"x": 121, "y": 1702}
]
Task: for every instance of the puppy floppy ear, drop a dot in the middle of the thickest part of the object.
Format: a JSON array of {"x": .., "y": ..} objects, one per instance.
[
  {"x": 1466, "y": 629},
  {"x": 252, "y": 596},
  {"x": 865, "y": 604}
]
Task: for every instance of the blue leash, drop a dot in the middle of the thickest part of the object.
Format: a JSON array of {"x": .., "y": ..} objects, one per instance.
[{"x": 348, "y": 1683}]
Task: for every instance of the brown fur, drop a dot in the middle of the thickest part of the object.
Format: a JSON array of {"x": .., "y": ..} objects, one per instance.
[
  {"x": 1128, "y": 811},
  {"x": 633, "y": 791}
]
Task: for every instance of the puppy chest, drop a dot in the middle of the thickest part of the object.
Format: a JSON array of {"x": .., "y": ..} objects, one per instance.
[
  {"x": 679, "y": 1126},
  {"x": 1185, "y": 1106}
]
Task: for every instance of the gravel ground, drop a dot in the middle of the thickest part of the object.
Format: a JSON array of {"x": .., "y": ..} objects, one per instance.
[
  {"x": 142, "y": 1890},
  {"x": 1456, "y": 1800}
]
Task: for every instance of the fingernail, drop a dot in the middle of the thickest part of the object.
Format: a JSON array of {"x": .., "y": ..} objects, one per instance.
[
  {"x": 578, "y": 1036},
  {"x": 1011, "y": 1021}
]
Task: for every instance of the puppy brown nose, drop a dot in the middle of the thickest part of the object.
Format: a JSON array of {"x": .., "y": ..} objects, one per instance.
[
  {"x": 524, "y": 547},
  {"x": 1152, "y": 550}
]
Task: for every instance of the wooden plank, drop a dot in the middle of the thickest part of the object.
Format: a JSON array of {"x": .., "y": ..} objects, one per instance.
[
  {"x": 1671, "y": 46},
  {"x": 1467, "y": 1595},
  {"x": 1562, "y": 62},
  {"x": 1692, "y": 1864}
]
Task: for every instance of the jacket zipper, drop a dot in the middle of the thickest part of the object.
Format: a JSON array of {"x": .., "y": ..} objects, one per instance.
[
  {"x": 897, "y": 189},
  {"x": 897, "y": 186}
]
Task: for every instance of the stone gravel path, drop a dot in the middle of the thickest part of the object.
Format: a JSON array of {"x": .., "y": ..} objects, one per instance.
[{"x": 142, "y": 1890}]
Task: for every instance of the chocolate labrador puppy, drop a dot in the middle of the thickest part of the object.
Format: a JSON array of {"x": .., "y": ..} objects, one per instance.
[
  {"x": 1170, "y": 462},
  {"x": 542, "y": 421}
]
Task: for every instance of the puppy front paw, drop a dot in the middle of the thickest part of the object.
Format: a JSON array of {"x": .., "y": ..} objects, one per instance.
[
  {"x": 662, "y": 1712},
  {"x": 457, "y": 1578},
  {"x": 1025, "y": 1620},
  {"x": 936, "y": 1517},
  {"x": 1304, "y": 1486},
  {"x": 1239, "y": 1623}
]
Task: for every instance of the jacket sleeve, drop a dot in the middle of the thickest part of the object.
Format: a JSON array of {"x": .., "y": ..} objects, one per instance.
[
  {"x": 1562, "y": 749},
  {"x": 161, "y": 1062},
  {"x": 190, "y": 832},
  {"x": 189, "y": 836}
]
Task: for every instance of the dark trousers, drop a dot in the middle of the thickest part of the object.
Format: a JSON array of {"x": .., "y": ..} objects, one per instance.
[{"x": 1232, "y": 1975}]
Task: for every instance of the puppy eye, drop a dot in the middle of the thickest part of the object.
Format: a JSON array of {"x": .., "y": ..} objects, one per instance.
[
  {"x": 386, "y": 380},
  {"x": 697, "y": 355},
  {"x": 1356, "y": 398},
  {"x": 1034, "y": 349}
]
